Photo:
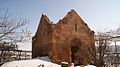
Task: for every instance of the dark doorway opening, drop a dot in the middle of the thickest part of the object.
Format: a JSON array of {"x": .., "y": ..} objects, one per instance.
[{"x": 74, "y": 50}]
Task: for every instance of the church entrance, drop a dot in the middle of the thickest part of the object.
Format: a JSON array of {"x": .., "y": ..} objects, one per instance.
[
  {"x": 75, "y": 51},
  {"x": 74, "y": 55}
]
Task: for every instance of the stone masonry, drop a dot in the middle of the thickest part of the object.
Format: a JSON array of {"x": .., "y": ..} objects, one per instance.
[{"x": 70, "y": 40}]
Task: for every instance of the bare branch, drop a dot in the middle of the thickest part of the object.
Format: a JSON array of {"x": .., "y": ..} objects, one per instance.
[{"x": 12, "y": 31}]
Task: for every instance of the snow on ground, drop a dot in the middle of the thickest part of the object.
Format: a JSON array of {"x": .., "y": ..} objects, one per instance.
[
  {"x": 45, "y": 58},
  {"x": 37, "y": 62},
  {"x": 30, "y": 63},
  {"x": 85, "y": 66},
  {"x": 90, "y": 66}
]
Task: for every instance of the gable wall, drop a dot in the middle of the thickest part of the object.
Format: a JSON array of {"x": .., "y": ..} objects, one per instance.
[
  {"x": 63, "y": 35},
  {"x": 57, "y": 43}
]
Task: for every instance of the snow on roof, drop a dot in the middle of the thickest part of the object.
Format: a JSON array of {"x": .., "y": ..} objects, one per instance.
[{"x": 30, "y": 63}]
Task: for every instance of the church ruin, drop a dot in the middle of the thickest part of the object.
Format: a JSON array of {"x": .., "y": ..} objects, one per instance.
[{"x": 70, "y": 40}]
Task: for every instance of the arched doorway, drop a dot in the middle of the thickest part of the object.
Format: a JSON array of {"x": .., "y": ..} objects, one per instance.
[{"x": 75, "y": 51}]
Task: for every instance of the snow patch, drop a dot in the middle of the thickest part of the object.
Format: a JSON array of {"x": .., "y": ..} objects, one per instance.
[
  {"x": 45, "y": 58},
  {"x": 90, "y": 66},
  {"x": 30, "y": 63}
]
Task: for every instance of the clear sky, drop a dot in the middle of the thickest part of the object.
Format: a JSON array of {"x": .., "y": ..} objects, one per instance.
[{"x": 100, "y": 15}]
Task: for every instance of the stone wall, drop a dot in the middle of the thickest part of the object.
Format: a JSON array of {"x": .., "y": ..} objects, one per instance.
[
  {"x": 70, "y": 40},
  {"x": 42, "y": 40}
]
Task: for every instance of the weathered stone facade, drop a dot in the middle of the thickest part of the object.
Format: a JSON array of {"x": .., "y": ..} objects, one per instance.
[{"x": 70, "y": 40}]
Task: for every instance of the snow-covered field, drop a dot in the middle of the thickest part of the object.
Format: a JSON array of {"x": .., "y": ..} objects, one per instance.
[
  {"x": 38, "y": 62},
  {"x": 30, "y": 63}
]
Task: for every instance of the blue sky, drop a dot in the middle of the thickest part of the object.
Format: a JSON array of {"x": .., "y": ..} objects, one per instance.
[{"x": 100, "y": 15}]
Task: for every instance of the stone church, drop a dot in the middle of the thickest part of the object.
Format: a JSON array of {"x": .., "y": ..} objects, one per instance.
[{"x": 70, "y": 40}]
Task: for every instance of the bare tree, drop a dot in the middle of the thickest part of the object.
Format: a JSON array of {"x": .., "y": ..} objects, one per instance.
[
  {"x": 102, "y": 42},
  {"x": 12, "y": 31}
]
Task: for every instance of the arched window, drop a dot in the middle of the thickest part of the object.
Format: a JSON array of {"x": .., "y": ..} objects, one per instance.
[{"x": 76, "y": 27}]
